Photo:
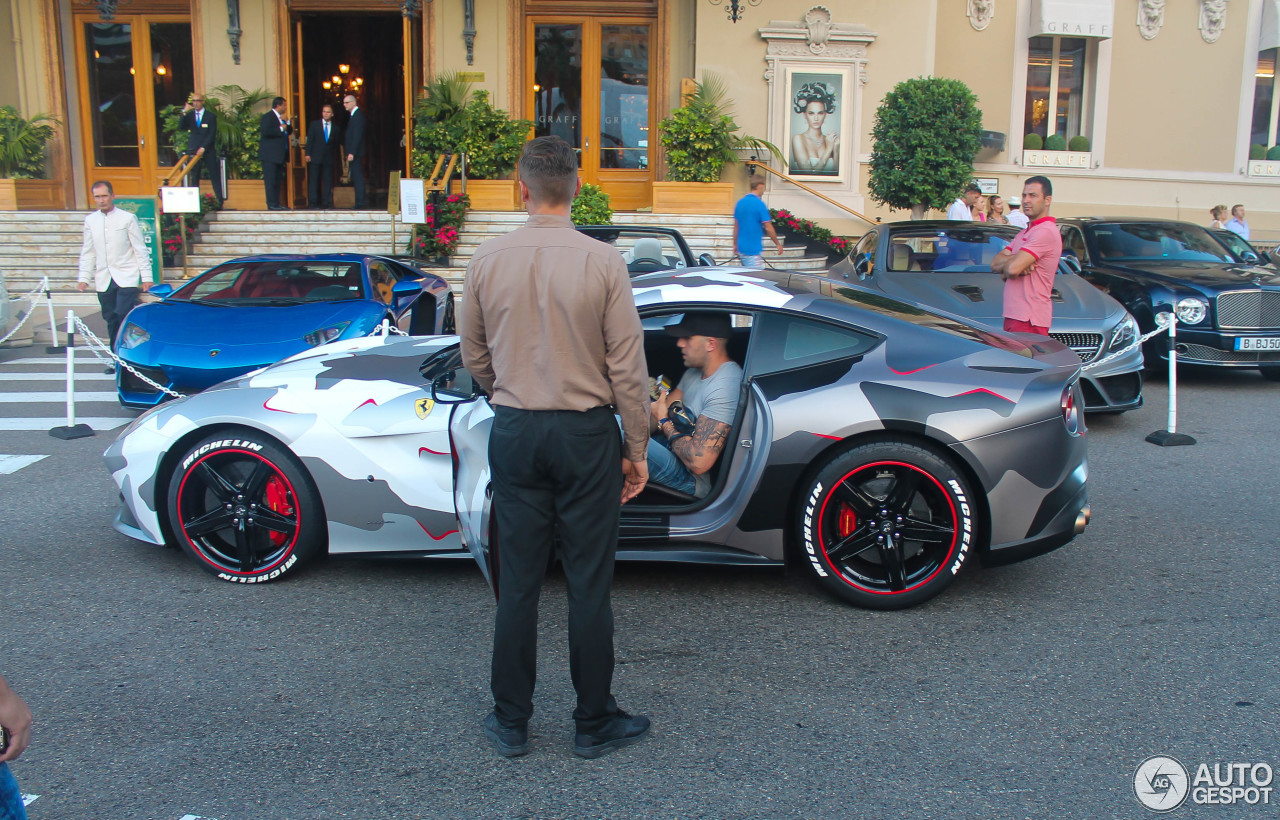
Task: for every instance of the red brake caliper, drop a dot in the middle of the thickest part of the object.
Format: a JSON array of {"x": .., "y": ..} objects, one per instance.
[
  {"x": 278, "y": 501},
  {"x": 848, "y": 521}
]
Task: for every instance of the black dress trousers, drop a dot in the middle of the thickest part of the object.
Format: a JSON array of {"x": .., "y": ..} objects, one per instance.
[{"x": 556, "y": 475}]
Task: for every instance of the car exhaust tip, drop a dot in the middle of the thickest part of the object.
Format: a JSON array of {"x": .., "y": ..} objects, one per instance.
[{"x": 1082, "y": 520}]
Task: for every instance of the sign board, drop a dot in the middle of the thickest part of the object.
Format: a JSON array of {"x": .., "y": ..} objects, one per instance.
[
  {"x": 147, "y": 209},
  {"x": 1073, "y": 18},
  {"x": 471, "y": 76},
  {"x": 393, "y": 194},
  {"x": 988, "y": 185},
  {"x": 180, "y": 200},
  {"x": 413, "y": 202}
]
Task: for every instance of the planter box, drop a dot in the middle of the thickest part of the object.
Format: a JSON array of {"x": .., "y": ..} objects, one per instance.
[
  {"x": 31, "y": 195},
  {"x": 693, "y": 198},
  {"x": 245, "y": 195},
  {"x": 1264, "y": 168},
  {"x": 491, "y": 194},
  {"x": 1058, "y": 159}
]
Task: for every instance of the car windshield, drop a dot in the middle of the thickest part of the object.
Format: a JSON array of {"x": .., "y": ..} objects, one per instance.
[
  {"x": 643, "y": 251},
  {"x": 1234, "y": 242},
  {"x": 945, "y": 250},
  {"x": 1136, "y": 241},
  {"x": 287, "y": 282}
]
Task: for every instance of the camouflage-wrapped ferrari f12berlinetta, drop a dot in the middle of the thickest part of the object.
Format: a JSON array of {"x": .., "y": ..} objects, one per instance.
[{"x": 878, "y": 444}]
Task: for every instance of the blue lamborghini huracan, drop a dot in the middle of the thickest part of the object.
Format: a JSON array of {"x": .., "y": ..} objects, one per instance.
[{"x": 251, "y": 312}]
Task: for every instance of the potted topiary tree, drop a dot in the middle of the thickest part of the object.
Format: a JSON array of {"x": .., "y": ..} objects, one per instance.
[
  {"x": 24, "y": 145},
  {"x": 450, "y": 118},
  {"x": 701, "y": 138}
]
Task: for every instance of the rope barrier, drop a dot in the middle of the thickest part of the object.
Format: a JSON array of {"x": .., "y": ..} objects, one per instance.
[{"x": 30, "y": 296}]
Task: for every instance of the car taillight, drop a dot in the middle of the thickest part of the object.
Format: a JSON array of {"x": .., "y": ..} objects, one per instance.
[{"x": 1070, "y": 411}]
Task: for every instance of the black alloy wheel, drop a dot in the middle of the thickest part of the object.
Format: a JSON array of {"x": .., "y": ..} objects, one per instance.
[
  {"x": 886, "y": 525},
  {"x": 244, "y": 508}
]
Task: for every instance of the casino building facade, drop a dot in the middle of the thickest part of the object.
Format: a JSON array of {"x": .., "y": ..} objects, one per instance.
[{"x": 1169, "y": 98}]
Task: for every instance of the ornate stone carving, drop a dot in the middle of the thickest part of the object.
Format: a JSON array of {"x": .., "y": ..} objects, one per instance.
[
  {"x": 1213, "y": 19},
  {"x": 818, "y": 21},
  {"x": 1150, "y": 18},
  {"x": 980, "y": 13}
]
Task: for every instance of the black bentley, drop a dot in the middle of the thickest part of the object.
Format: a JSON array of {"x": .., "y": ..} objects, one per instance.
[{"x": 1228, "y": 311}]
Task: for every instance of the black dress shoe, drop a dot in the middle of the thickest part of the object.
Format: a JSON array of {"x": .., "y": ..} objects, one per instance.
[
  {"x": 274, "y": 208},
  {"x": 510, "y": 742},
  {"x": 622, "y": 730}
]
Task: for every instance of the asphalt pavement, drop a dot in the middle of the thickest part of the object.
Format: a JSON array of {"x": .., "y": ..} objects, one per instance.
[{"x": 356, "y": 689}]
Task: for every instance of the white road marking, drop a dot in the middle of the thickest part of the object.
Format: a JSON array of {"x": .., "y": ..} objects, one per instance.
[
  {"x": 96, "y": 422},
  {"x": 61, "y": 377},
  {"x": 194, "y": 817},
  {"x": 12, "y": 464},
  {"x": 58, "y": 396},
  {"x": 86, "y": 360}
]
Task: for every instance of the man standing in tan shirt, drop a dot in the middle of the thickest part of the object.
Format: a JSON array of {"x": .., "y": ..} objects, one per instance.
[{"x": 550, "y": 332}]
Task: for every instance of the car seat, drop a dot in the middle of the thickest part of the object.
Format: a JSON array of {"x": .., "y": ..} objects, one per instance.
[
  {"x": 900, "y": 258},
  {"x": 647, "y": 257}
]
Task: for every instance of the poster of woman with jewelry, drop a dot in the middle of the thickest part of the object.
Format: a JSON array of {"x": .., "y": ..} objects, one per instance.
[{"x": 816, "y": 101}]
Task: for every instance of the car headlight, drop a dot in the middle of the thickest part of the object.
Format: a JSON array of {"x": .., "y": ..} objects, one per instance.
[
  {"x": 133, "y": 336},
  {"x": 1192, "y": 311},
  {"x": 325, "y": 334},
  {"x": 1124, "y": 334}
]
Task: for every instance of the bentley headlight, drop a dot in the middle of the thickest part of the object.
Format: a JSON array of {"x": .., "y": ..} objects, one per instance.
[
  {"x": 133, "y": 336},
  {"x": 325, "y": 334},
  {"x": 1192, "y": 311},
  {"x": 1124, "y": 334}
]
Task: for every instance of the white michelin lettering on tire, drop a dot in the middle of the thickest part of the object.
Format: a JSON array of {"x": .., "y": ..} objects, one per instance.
[
  {"x": 809, "y": 546},
  {"x": 261, "y": 579},
  {"x": 237, "y": 444},
  {"x": 966, "y": 526}
]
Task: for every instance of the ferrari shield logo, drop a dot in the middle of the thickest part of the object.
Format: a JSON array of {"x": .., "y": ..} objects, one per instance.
[{"x": 423, "y": 407}]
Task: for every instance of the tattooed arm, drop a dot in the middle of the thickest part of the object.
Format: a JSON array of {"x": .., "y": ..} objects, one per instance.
[{"x": 700, "y": 449}]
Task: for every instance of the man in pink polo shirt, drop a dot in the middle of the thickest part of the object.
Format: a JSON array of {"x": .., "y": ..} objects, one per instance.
[{"x": 1030, "y": 262}]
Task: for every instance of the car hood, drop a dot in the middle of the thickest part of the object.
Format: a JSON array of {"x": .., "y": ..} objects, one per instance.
[
  {"x": 179, "y": 322},
  {"x": 981, "y": 295},
  {"x": 1213, "y": 275}
]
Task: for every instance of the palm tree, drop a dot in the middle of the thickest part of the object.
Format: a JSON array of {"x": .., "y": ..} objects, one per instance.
[
  {"x": 238, "y": 113},
  {"x": 23, "y": 142}
]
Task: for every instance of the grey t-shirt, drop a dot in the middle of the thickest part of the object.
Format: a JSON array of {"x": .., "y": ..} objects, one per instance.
[{"x": 715, "y": 397}]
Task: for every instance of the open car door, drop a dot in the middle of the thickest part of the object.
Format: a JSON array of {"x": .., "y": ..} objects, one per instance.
[{"x": 470, "y": 421}]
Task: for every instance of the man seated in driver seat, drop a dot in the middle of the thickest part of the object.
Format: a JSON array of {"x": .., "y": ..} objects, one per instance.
[{"x": 681, "y": 458}]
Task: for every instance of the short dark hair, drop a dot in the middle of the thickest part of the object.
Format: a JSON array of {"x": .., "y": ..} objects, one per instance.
[
  {"x": 549, "y": 167},
  {"x": 756, "y": 181},
  {"x": 276, "y": 102},
  {"x": 102, "y": 183},
  {"x": 1046, "y": 187},
  {"x": 971, "y": 187}
]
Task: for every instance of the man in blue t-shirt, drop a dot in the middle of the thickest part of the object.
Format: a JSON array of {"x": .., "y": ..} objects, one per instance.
[{"x": 751, "y": 221}]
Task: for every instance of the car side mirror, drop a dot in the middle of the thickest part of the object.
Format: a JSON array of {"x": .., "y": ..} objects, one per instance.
[
  {"x": 406, "y": 287},
  {"x": 454, "y": 387},
  {"x": 706, "y": 260},
  {"x": 862, "y": 266},
  {"x": 1250, "y": 258},
  {"x": 161, "y": 291},
  {"x": 1072, "y": 263}
]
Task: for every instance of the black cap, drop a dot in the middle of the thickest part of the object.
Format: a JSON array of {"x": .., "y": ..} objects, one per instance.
[{"x": 715, "y": 325}]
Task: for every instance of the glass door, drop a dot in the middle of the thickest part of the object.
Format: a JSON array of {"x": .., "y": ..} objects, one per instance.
[
  {"x": 131, "y": 68},
  {"x": 591, "y": 87}
]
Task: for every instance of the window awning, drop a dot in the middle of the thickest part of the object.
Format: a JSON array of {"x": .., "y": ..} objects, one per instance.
[
  {"x": 1073, "y": 18},
  {"x": 1270, "y": 25}
]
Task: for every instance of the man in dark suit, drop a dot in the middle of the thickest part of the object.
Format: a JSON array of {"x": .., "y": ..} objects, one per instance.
[
  {"x": 201, "y": 126},
  {"x": 273, "y": 150},
  {"x": 353, "y": 142},
  {"x": 322, "y": 157}
]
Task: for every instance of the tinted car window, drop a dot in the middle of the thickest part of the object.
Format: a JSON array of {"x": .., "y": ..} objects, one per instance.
[
  {"x": 1073, "y": 241},
  {"x": 786, "y": 341},
  {"x": 383, "y": 281},
  {"x": 956, "y": 250},
  {"x": 1132, "y": 241}
]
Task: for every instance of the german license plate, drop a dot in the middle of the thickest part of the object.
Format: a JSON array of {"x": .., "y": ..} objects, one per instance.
[{"x": 1258, "y": 343}]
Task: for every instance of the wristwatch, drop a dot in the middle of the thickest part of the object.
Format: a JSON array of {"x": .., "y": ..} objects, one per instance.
[{"x": 662, "y": 421}]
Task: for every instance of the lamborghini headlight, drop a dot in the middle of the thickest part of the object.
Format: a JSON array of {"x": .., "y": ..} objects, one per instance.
[
  {"x": 133, "y": 336},
  {"x": 325, "y": 334},
  {"x": 1192, "y": 311}
]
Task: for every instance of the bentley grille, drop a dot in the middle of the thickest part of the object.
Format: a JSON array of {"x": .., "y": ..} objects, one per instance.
[
  {"x": 1249, "y": 310},
  {"x": 1085, "y": 345}
]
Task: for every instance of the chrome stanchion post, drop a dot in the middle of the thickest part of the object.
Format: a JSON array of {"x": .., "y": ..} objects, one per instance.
[
  {"x": 71, "y": 430},
  {"x": 1170, "y": 437},
  {"x": 53, "y": 347}
]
